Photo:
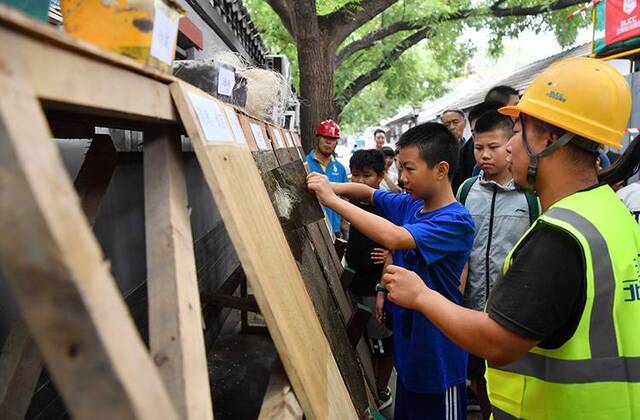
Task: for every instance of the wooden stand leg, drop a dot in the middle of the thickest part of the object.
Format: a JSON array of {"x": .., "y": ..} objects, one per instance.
[
  {"x": 175, "y": 324},
  {"x": 20, "y": 360},
  {"x": 58, "y": 275}
]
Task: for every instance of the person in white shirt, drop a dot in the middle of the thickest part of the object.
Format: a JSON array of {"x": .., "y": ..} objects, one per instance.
[{"x": 390, "y": 181}]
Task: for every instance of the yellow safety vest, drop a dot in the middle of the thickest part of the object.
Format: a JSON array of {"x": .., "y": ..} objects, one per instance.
[{"x": 596, "y": 373}]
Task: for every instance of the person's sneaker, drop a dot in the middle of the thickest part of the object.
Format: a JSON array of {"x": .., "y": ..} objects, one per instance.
[{"x": 385, "y": 399}]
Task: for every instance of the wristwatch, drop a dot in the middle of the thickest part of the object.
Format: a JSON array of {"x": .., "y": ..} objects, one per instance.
[{"x": 380, "y": 288}]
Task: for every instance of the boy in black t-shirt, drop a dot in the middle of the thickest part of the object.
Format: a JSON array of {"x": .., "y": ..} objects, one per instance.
[{"x": 367, "y": 259}]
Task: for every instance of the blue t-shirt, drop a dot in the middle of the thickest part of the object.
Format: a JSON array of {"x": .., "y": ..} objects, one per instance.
[
  {"x": 336, "y": 173},
  {"x": 425, "y": 359}
]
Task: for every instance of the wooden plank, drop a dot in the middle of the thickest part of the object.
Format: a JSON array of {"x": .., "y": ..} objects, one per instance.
[
  {"x": 345, "y": 306},
  {"x": 279, "y": 402},
  {"x": 20, "y": 367},
  {"x": 269, "y": 266},
  {"x": 175, "y": 327},
  {"x": 326, "y": 308},
  {"x": 61, "y": 71},
  {"x": 20, "y": 360},
  {"x": 333, "y": 280},
  {"x": 62, "y": 285}
]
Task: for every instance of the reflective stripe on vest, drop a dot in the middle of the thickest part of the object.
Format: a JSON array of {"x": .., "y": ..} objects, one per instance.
[{"x": 606, "y": 365}]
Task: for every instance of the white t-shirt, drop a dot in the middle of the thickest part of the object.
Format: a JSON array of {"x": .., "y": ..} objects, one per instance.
[
  {"x": 392, "y": 173},
  {"x": 630, "y": 196}
]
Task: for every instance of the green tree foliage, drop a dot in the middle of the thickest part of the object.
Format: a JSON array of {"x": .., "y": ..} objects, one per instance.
[{"x": 423, "y": 71}]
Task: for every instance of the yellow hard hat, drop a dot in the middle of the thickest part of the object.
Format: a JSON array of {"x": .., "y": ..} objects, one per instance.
[{"x": 584, "y": 96}]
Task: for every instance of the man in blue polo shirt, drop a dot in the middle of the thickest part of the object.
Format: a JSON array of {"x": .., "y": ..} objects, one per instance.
[{"x": 322, "y": 160}]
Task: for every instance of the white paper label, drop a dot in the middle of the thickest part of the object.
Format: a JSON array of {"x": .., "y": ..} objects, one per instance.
[
  {"x": 211, "y": 119},
  {"x": 257, "y": 134},
  {"x": 288, "y": 139},
  {"x": 165, "y": 31},
  {"x": 226, "y": 81},
  {"x": 235, "y": 125},
  {"x": 279, "y": 140}
]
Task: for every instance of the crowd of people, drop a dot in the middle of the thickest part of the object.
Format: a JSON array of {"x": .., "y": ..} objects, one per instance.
[{"x": 503, "y": 265}]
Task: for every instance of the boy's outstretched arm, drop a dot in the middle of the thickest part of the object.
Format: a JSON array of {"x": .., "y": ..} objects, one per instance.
[
  {"x": 376, "y": 228},
  {"x": 472, "y": 330}
]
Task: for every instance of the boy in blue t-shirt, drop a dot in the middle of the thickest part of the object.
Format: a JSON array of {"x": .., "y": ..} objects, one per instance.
[{"x": 432, "y": 235}]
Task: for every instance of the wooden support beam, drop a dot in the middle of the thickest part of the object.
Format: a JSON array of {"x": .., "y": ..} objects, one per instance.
[
  {"x": 20, "y": 360},
  {"x": 280, "y": 403},
  {"x": 175, "y": 327},
  {"x": 347, "y": 277},
  {"x": 57, "y": 273},
  {"x": 272, "y": 273},
  {"x": 358, "y": 324},
  {"x": 246, "y": 304}
]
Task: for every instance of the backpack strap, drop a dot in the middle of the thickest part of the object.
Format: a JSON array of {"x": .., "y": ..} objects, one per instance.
[
  {"x": 465, "y": 188},
  {"x": 534, "y": 205}
]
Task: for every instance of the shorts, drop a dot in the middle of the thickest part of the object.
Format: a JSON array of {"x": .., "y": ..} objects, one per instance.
[
  {"x": 378, "y": 335},
  {"x": 476, "y": 368},
  {"x": 375, "y": 330},
  {"x": 450, "y": 405}
]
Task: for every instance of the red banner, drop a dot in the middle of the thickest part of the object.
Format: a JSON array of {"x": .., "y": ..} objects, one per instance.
[{"x": 622, "y": 20}]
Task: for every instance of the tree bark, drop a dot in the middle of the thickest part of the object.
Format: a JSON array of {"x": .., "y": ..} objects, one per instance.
[{"x": 316, "y": 60}]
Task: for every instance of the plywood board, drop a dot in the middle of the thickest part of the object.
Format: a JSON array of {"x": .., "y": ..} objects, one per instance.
[{"x": 271, "y": 270}]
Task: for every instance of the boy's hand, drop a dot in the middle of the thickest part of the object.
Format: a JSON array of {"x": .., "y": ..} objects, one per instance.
[
  {"x": 320, "y": 185},
  {"x": 405, "y": 287},
  {"x": 379, "y": 255},
  {"x": 380, "y": 307}
]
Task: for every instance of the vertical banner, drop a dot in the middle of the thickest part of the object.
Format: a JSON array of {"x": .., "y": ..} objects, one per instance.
[{"x": 622, "y": 20}]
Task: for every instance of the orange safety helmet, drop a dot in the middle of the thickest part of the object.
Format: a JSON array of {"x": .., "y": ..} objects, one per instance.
[{"x": 328, "y": 128}]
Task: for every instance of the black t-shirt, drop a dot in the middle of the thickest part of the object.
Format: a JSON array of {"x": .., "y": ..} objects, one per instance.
[
  {"x": 466, "y": 163},
  {"x": 358, "y": 256},
  {"x": 543, "y": 294}
]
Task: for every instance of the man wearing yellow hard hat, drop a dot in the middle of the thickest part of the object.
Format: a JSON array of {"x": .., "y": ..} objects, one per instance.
[{"x": 559, "y": 332}]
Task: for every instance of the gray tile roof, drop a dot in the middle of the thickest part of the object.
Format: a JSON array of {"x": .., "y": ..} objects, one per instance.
[{"x": 520, "y": 78}]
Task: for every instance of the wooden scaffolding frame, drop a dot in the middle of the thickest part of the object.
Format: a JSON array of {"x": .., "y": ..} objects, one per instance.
[{"x": 66, "y": 295}]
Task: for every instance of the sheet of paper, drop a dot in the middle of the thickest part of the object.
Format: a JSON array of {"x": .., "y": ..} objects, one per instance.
[
  {"x": 288, "y": 139},
  {"x": 226, "y": 81},
  {"x": 279, "y": 141},
  {"x": 211, "y": 119},
  {"x": 257, "y": 134},
  {"x": 235, "y": 125},
  {"x": 165, "y": 31},
  {"x": 296, "y": 140}
]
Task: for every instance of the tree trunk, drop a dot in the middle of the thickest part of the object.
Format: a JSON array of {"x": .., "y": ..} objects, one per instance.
[{"x": 316, "y": 60}]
